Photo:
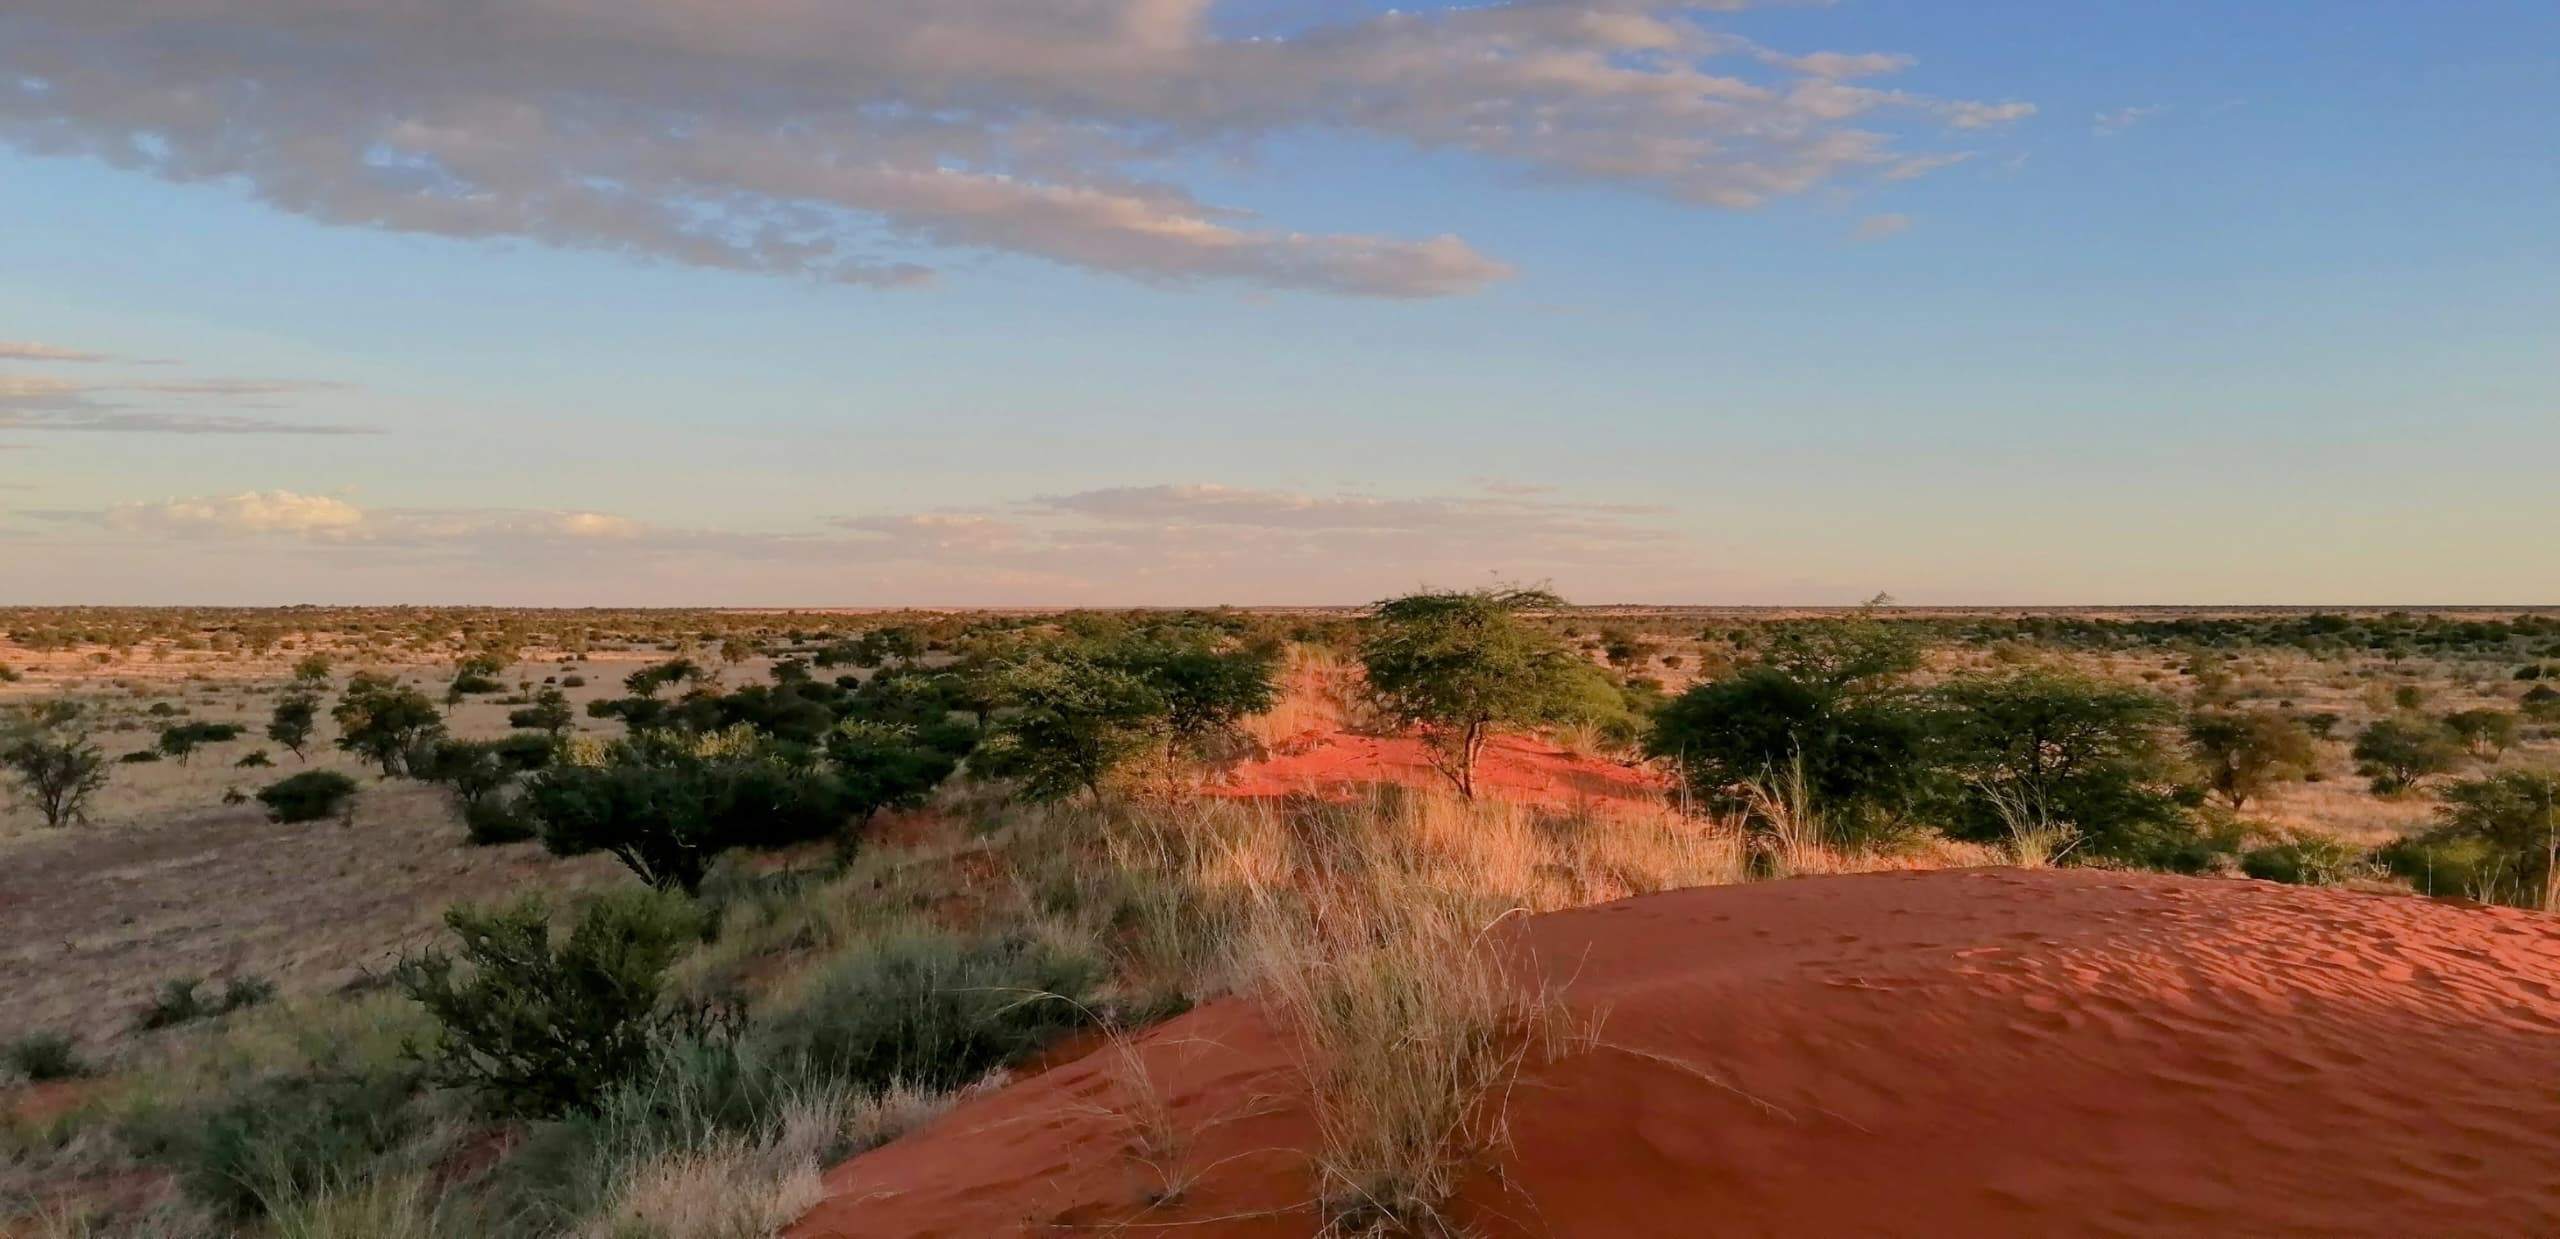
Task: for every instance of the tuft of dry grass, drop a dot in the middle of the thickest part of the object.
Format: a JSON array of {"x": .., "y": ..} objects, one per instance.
[
  {"x": 737, "y": 1187},
  {"x": 1373, "y": 931}
]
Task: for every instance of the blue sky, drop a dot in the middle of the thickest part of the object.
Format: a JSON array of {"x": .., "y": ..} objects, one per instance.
[{"x": 2229, "y": 303}]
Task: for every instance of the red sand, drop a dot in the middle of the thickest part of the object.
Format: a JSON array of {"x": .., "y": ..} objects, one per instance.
[
  {"x": 1975, "y": 1052},
  {"x": 1514, "y": 768}
]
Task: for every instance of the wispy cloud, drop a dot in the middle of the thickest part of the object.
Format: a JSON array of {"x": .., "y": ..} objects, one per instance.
[
  {"x": 1879, "y": 227},
  {"x": 29, "y": 350},
  {"x": 2109, "y": 124},
  {"x": 846, "y": 141},
  {"x": 108, "y": 404},
  {"x": 1182, "y": 542}
]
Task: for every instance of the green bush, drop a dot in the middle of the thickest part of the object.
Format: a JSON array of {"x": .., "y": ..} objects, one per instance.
[
  {"x": 307, "y": 797},
  {"x": 2306, "y": 859},
  {"x": 255, "y": 759},
  {"x": 281, "y": 1137},
  {"x": 45, "y": 1056},
  {"x": 495, "y": 820},
  {"x": 182, "y": 1000},
  {"x": 140, "y": 757},
  {"x": 539, "y": 1028},
  {"x": 666, "y": 810},
  {"x": 2492, "y": 840},
  {"x": 933, "y": 1009}
]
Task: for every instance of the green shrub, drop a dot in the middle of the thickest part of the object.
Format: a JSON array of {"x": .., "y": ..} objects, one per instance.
[
  {"x": 182, "y": 1000},
  {"x": 45, "y": 1056},
  {"x": 307, "y": 797},
  {"x": 666, "y": 810},
  {"x": 255, "y": 759},
  {"x": 281, "y": 1137},
  {"x": 539, "y": 1028},
  {"x": 182, "y": 740},
  {"x": 495, "y": 820},
  {"x": 2492, "y": 841},
  {"x": 2306, "y": 859},
  {"x": 932, "y": 1009},
  {"x": 140, "y": 757}
]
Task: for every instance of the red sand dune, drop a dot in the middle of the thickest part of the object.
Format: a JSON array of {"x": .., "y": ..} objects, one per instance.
[
  {"x": 1974, "y": 1052},
  {"x": 1515, "y": 768}
]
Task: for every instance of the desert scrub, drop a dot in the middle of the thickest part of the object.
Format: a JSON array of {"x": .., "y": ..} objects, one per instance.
[
  {"x": 307, "y": 797},
  {"x": 2307, "y": 858},
  {"x": 183, "y": 1000},
  {"x": 538, "y": 1028},
  {"x": 43, "y": 1057},
  {"x": 284, "y": 1137},
  {"x": 933, "y": 1009}
]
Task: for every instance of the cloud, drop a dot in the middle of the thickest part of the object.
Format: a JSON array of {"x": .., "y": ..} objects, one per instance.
[
  {"x": 28, "y": 350},
  {"x": 1879, "y": 227},
  {"x": 332, "y": 519},
  {"x": 2109, "y": 124},
  {"x": 247, "y": 514},
  {"x": 845, "y": 141},
  {"x": 1191, "y": 542},
  {"x": 108, "y": 405}
]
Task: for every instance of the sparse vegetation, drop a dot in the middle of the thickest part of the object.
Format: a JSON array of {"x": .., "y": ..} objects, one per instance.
[
  {"x": 311, "y": 796},
  {"x": 813, "y": 980},
  {"x": 53, "y": 767}
]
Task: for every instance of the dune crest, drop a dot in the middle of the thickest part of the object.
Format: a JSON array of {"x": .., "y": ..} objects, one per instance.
[{"x": 1980, "y": 1052}]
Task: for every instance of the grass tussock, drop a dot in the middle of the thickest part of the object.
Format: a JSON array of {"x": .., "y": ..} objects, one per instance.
[{"x": 1375, "y": 931}]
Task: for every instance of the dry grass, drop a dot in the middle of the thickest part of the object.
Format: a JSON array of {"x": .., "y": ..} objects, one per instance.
[
  {"x": 1373, "y": 931},
  {"x": 739, "y": 1187}
]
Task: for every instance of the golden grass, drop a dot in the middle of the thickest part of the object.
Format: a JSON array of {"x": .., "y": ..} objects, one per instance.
[{"x": 1372, "y": 930}]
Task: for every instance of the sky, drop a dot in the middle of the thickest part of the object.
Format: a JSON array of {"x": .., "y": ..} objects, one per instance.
[{"x": 1189, "y": 302}]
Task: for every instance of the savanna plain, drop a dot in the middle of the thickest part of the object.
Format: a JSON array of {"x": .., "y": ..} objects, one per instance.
[{"x": 1467, "y": 913}]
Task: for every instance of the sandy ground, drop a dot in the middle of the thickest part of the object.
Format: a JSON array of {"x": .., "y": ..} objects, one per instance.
[
  {"x": 92, "y": 921},
  {"x": 1977, "y": 1052},
  {"x": 1520, "y": 768}
]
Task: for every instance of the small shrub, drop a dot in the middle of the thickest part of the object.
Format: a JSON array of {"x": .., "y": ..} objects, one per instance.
[
  {"x": 255, "y": 759},
  {"x": 182, "y": 1000},
  {"x": 2306, "y": 859},
  {"x": 540, "y": 1029},
  {"x": 934, "y": 1010},
  {"x": 495, "y": 820},
  {"x": 45, "y": 1056},
  {"x": 140, "y": 757},
  {"x": 307, "y": 797},
  {"x": 9, "y": 674},
  {"x": 282, "y": 1138}
]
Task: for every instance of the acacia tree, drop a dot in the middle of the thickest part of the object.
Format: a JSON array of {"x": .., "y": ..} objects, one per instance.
[
  {"x": 291, "y": 724},
  {"x": 2399, "y": 753},
  {"x": 1456, "y": 666},
  {"x": 55, "y": 767},
  {"x": 549, "y": 713},
  {"x": 2083, "y": 751},
  {"x": 1207, "y": 689},
  {"x": 2244, "y": 753},
  {"x": 384, "y": 721},
  {"x": 1075, "y": 717},
  {"x": 2486, "y": 733}
]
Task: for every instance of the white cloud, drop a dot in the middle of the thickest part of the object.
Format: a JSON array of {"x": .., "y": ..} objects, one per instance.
[
  {"x": 249, "y": 513},
  {"x": 2109, "y": 124},
  {"x": 840, "y": 140},
  {"x": 1879, "y": 227}
]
